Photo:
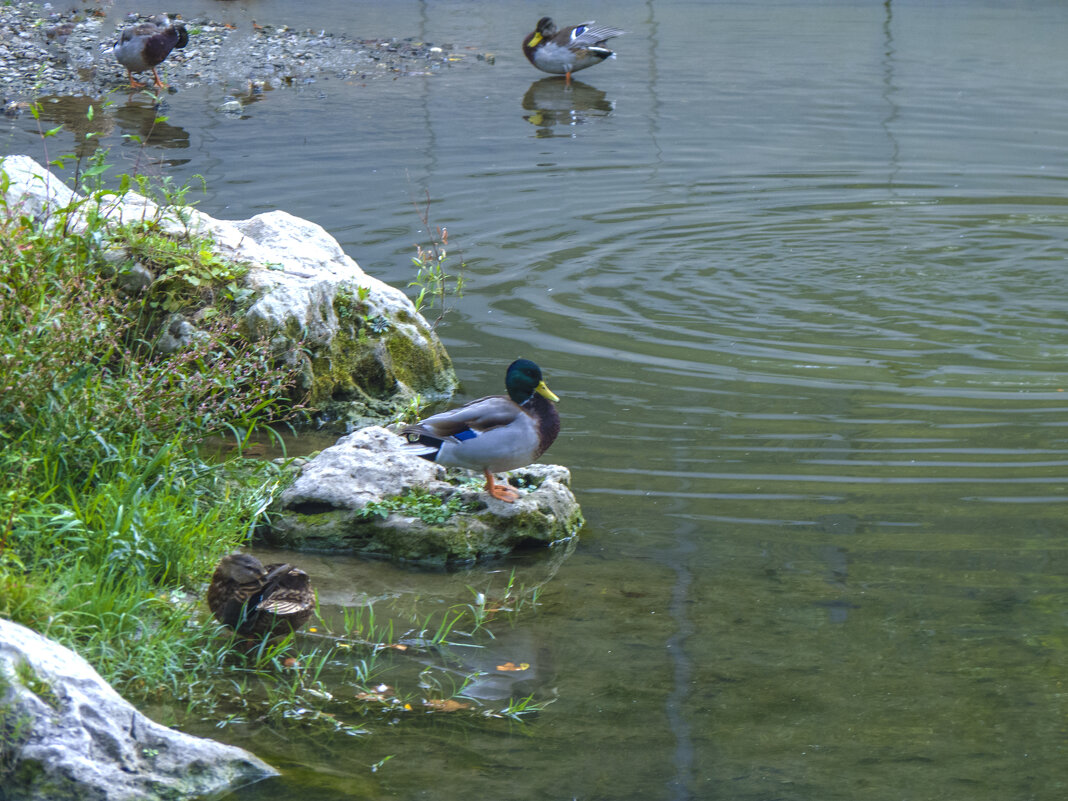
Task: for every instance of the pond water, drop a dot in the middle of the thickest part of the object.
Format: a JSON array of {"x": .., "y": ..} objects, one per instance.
[{"x": 797, "y": 272}]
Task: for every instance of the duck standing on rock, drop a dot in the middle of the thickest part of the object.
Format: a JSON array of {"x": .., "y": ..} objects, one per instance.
[
  {"x": 146, "y": 45},
  {"x": 495, "y": 433},
  {"x": 569, "y": 50},
  {"x": 255, "y": 600}
]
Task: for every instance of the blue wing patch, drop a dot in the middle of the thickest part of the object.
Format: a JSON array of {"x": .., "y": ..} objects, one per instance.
[
  {"x": 467, "y": 433},
  {"x": 579, "y": 30}
]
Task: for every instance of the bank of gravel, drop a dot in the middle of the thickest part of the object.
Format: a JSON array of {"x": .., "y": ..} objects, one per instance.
[{"x": 45, "y": 51}]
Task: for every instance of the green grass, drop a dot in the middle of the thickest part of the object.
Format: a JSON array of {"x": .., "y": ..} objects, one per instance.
[{"x": 110, "y": 517}]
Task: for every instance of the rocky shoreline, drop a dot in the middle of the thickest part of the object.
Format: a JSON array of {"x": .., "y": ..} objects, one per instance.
[{"x": 48, "y": 52}]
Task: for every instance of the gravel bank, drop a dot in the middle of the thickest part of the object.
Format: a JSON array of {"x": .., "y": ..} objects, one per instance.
[{"x": 48, "y": 52}]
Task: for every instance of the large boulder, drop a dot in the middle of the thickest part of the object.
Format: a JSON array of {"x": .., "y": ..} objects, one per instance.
[
  {"x": 369, "y": 495},
  {"x": 66, "y": 734},
  {"x": 366, "y": 350}
]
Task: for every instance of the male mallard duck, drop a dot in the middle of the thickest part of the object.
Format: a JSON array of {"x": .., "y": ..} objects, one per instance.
[
  {"x": 255, "y": 600},
  {"x": 494, "y": 433},
  {"x": 569, "y": 50},
  {"x": 145, "y": 46}
]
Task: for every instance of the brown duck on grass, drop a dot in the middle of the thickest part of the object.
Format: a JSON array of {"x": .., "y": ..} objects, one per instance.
[
  {"x": 255, "y": 600},
  {"x": 145, "y": 46}
]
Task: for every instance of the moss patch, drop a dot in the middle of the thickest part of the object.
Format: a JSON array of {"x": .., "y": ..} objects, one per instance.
[{"x": 372, "y": 368}]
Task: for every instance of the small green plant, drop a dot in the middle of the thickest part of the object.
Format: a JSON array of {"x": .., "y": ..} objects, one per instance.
[
  {"x": 419, "y": 503},
  {"x": 521, "y": 708},
  {"x": 411, "y": 412},
  {"x": 378, "y": 765},
  {"x": 189, "y": 272},
  {"x": 487, "y": 605},
  {"x": 40, "y": 687},
  {"x": 431, "y": 276}
]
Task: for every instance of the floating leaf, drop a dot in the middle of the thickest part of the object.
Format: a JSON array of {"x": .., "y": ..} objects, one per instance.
[
  {"x": 445, "y": 705},
  {"x": 512, "y": 666}
]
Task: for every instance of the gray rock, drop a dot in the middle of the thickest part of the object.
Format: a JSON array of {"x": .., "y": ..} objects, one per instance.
[
  {"x": 34, "y": 191},
  {"x": 368, "y": 351},
  {"x": 230, "y": 106},
  {"x": 66, "y": 734},
  {"x": 326, "y": 506},
  {"x": 177, "y": 334},
  {"x": 135, "y": 279}
]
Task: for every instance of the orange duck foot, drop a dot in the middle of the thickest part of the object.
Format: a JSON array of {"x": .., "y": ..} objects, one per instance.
[{"x": 502, "y": 492}]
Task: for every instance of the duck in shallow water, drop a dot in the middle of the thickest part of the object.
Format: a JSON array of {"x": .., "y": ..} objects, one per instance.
[
  {"x": 495, "y": 433},
  {"x": 569, "y": 50},
  {"x": 145, "y": 46},
  {"x": 255, "y": 600}
]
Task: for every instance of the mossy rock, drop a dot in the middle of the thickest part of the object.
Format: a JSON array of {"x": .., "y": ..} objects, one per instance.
[{"x": 369, "y": 496}]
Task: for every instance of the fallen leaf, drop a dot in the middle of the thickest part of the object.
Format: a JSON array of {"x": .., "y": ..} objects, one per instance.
[
  {"x": 512, "y": 666},
  {"x": 445, "y": 704}
]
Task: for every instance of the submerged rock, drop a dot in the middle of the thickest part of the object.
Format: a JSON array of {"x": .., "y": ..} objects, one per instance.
[
  {"x": 365, "y": 350},
  {"x": 369, "y": 495},
  {"x": 66, "y": 734}
]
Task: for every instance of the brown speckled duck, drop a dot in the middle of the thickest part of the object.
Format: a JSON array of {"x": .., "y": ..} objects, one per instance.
[
  {"x": 569, "y": 50},
  {"x": 145, "y": 46},
  {"x": 495, "y": 433},
  {"x": 255, "y": 600}
]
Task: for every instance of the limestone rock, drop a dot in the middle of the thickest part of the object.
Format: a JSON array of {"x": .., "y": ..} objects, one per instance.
[
  {"x": 326, "y": 507},
  {"x": 66, "y": 734},
  {"x": 368, "y": 350}
]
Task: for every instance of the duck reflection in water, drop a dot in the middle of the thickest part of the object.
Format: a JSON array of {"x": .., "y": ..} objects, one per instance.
[
  {"x": 141, "y": 117},
  {"x": 551, "y": 103}
]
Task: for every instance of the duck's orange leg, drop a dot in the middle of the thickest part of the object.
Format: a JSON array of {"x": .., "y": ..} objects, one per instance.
[
  {"x": 135, "y": 84},
  {"x": 159, "y": 84},
  {"x": 502, "y": 492}
]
